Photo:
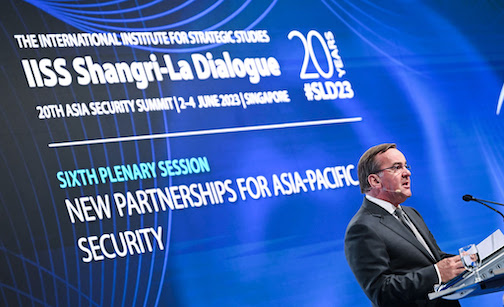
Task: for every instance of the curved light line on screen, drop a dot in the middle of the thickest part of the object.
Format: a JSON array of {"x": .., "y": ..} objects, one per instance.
[
  {"x": 372, "y": 18},
  {"x": 77, "y": 22},
  {"x": 79, "y": 7},
  {"x": 230, "y": 16},
  {"x": 501, "y": 100},
  {"x": 81, "y": 24},
  {"x": 58, "y": 4},
  {"x": 207, "y": 132},
  {"x": 382, "y": 9},
  {"x": 262, "y": 16},
  {"x": 369, "y": 29},
  {"x": 81, "y": 15},
  {"x": 374, "y": 46}
]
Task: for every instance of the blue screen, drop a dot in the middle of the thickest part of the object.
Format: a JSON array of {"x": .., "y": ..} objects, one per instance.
[{"x": 204, "y": 153}]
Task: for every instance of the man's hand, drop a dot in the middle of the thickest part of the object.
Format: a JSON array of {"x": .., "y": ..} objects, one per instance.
[{"x": 450, "y": 267}]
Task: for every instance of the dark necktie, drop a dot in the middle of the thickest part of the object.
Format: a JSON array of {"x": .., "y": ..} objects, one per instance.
[{"x": 407, "y": 222}]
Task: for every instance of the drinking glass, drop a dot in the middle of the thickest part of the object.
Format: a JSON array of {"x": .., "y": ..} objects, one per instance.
[{"x": 471, "y": 260}]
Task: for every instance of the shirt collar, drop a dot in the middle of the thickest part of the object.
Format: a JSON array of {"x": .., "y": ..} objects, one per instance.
[{"x": 384, "y": 204}]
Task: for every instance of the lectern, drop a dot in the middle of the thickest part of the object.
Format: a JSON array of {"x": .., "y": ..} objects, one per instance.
[{"x": 491, "y": 272}]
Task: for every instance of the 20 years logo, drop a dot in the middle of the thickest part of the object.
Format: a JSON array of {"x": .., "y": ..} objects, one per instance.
[{"x": 329, "y": 89}]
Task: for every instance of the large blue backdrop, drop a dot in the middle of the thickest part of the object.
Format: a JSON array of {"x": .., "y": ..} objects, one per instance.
[{"x": 204, "y": 153}]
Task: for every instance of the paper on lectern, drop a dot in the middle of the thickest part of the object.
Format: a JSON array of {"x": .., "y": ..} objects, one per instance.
[{"x": 492, "y": 243}]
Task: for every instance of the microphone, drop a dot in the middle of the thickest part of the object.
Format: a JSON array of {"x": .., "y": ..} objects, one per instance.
[
  {"x": 394, "y": 191},
  {"x": 468, "y": 197}
]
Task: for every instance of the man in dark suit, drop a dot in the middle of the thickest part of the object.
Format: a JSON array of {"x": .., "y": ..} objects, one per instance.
[{"x": 392, "y": 253}]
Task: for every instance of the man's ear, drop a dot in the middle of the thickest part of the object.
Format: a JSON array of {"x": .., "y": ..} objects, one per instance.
[{"x": 374, "y": 180}]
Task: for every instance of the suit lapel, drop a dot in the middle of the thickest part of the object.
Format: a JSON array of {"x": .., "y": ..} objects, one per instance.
[{"x": 389, "y": 221}]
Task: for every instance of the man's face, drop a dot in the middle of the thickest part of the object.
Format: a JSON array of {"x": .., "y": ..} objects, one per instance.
[{"x": 394, "y": 178}]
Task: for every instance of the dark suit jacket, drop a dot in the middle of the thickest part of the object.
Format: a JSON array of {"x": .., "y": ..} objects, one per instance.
[{"x": 390, "y": 264}]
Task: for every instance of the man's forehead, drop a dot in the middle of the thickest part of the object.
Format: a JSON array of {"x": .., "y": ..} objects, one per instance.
[{"x": 391, "y": 156}]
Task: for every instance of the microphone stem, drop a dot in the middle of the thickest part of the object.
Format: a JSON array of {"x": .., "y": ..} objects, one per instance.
[
  {"x": 488, "y": 201},
  {"x": 476, "y": 200}
]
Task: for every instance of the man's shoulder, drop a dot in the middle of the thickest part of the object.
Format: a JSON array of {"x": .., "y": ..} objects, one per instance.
[
  {"x": 362, "y": 214},
  {"x": 369, "y": 209},
  {"x": 367, "y": 214}
]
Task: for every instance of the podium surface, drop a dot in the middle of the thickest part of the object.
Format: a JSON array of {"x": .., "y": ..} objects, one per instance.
[{"x": 491, "y": 272}]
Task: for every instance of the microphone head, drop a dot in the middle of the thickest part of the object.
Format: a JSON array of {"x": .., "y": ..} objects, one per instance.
[
  {"x": 393, "y": 191},
  {"x": 467, "y": 197}
]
